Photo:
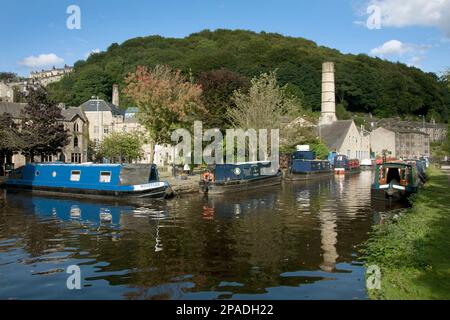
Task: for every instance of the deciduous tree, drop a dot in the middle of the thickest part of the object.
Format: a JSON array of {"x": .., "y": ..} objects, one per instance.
[
  {"x": 266, "y": 106},
  {"x": 122, "y": 147},
  {"x": 166, "y": 100},
  {"x": 43, "y": 132},
  {"x": 218, "y": 87}
]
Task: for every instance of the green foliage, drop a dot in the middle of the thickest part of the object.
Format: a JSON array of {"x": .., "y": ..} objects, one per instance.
[
  {"x": 122, "y": 147},
  {"x": 10, "y": 137},
  {"x": 218, "y": 87},
  {"x": 42, "y": 132},
  {"x": 319, "y": 148},
  {"x": 363, "y": 84},
  {"x": 342, "y": 113}
]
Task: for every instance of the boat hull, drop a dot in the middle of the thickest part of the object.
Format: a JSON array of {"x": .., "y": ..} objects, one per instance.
[
  {"x": 343, "y": 171},
  {"x": 390, "y": 194},
  {"x": 212, "y": 188},
  {"x": 302, "y": 176},
  {"x": 158, "y": 192}
]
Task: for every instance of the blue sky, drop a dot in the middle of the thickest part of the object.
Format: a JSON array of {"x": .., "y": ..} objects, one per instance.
[{"x": 35, "y": 36}]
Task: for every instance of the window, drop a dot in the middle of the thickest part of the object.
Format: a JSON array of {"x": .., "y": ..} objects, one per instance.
[
  {"x": 75, "y": 142},
  {"x": 75, "y": 127},
  {"x": 105, "y": 176},
  {"x": 105, "y": 130},
  {"x": 75, "y": 175},
  {"x": 75, "y": 158}
]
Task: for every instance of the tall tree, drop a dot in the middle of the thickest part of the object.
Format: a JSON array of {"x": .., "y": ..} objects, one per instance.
[
  {"x": 266, "y": 105},
  {"x": 166, "y": 100},
  {"x": 10, "y": 140},
  {"x": 42, "y": 131},
  {"x": 218, "y": 87}
]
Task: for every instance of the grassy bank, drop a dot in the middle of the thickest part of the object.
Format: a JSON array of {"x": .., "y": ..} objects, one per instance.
[{"x": 413, "y": 252}]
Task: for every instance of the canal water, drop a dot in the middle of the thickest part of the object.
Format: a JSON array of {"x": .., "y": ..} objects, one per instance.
[{"x": 296, "y": 241}]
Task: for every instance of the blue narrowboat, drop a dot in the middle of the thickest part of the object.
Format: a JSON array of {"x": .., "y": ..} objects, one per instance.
[
  {"x": 395, "y": 181},
  {"x": 304, "y": 166},
  {"x": 91, "y": 180},
  {"x": 225, "y": 178}
]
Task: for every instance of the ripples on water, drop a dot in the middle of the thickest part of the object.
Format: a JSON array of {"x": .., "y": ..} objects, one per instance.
[{"x": 297, "y": 241}]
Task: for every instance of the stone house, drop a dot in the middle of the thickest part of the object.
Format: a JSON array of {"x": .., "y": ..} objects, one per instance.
[
  {"x": 403, "y": 144},
  {"x": 105, "y": 118},
  {"x": 74, "y": 121},
  {"x": 6, "y": 92}
]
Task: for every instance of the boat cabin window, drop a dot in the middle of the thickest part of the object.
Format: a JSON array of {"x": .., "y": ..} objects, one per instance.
[
  {"x": 256, "y": 171},
  {"x": 393, "y": 174},
  {"x": 75, "y": 175},
  {"x": 105, "y": 176}
]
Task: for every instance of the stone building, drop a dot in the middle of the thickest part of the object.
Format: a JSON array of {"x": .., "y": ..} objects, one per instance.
[
  {"x": 436, "y": 131},
  {"x": 74, "y": 121},
  {"x": 105, "y": 118},
  {"x": 6, "y": 92},
  {"x": 402, "y": 144},
  {"x": 341, "y": 136},
  {"x": 45, "y": 77},
  {"x": 77, "y": 124}
]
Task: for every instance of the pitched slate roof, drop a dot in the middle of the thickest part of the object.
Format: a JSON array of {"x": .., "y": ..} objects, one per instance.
[
  {"x": 334, "y": 134},
  {"x": 72, "y": 112},
  {"x": 15, "y": 109},
  {"x": 91, "y": 106}
]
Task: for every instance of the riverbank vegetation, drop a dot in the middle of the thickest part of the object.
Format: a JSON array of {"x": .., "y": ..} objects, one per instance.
[{"x": 413, "y": 250}]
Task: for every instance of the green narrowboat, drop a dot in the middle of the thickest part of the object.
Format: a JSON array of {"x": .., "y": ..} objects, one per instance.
[{"x": 395, "y": 181}]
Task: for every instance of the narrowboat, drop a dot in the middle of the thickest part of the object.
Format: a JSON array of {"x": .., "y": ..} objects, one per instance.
[
  {"x": 395, "y": 181},
  {"x": 88, "y": 180},
  {"x": 366, "y": 164},
  {"x": 304, "y": 166},
  {"x": 225, "y": 178},
  {"x": 343, "y": 165}
]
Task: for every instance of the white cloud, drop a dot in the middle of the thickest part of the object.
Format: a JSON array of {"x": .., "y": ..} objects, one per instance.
[
  {"x": 91, "y": 52},
  {"x": 42, "y": 60},
  {"x": 389, "y": 48},
  {"x": 407, "y": 13},
  {"x": 413, "y": 53}
]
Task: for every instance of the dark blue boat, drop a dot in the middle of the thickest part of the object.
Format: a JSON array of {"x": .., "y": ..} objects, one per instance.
[
  {"x": 224, "y": 178},
  {"x": 304, "y": 166},
  {"x": 92, "y": 180}
]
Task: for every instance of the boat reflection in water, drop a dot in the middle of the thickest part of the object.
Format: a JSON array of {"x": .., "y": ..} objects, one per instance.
[{"x": 294, "y": 241}]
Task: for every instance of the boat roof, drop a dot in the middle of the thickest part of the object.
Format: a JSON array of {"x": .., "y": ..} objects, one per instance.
[
  {"x": 87, "y": 164},
  {"x": 395, "y": 164},
  {"x": 254, "y": 162}
]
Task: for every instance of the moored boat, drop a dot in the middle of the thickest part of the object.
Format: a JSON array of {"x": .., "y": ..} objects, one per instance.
[
  {"x": 304, "y": 166},
  {"x": 88, "y": 180},
  {"x": 366, "y": 164},
  {"x": 395, "y": 181},
  {"x": 343, "y": 165},
  {"x": 224, "y": 178}
]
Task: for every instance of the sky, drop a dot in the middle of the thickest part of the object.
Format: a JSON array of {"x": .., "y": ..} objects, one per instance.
[{"x": 41, "y": 33}]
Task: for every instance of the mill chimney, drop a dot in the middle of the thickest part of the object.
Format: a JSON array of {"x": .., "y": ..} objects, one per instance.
[
  {"x": 328, "y": 114},
  {"x": 115, "y": 95}
]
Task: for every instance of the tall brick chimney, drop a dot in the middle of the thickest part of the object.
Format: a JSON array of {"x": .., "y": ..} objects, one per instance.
[
  {"x": 115, "y": 95},
  {"x": 328, "y": 115}
]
